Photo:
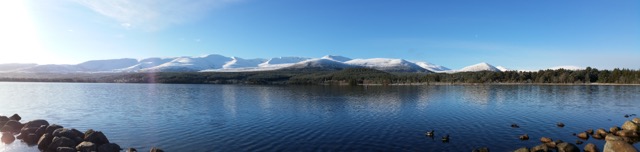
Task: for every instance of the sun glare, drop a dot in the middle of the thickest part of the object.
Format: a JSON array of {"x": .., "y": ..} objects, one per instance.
[{"x": 18, "y": 34}]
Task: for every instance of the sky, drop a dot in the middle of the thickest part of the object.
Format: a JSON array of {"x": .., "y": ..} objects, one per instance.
[{"x": 516, "y": 34}]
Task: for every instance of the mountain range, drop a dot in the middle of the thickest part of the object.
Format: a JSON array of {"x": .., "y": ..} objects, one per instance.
[{"x": 220, "y": 63}]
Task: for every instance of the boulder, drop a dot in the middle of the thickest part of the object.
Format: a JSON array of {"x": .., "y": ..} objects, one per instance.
[
  {"x": 559, "y": 124},
  {"x": 45, "y": 141},
  {"x": 583, "y": 135},
  {"x": 627, "y": 133},
  {"x": 15, "y": 117},
  {"x": 156, "y": 149},
  {"x": 617, "y": 144},
  {"x": 61, "y": 142},
  {"x": 601, "y": 132},
  {"x": 545, "y": 140},
  {"x": 614, "y": 129},
  {"x": 523, "y": 149},
  {"x": 131, "y": 150},
  {"x": 26, "y": 131},
  {"x": 567, "y": 147},
  {"x": 36, "y": 123},
  {"x": 540, "y": 148},
  {"x": 31, "y": 139},
  {"x": 597, "y": 136},
  {"x": 15, "y": 126},
  {"x": 7, "y": 129},
  {"x": 65, "y": 149},
  {"x": 524, "y": 137},
  {"x": 628, "y": 125},
  {"x": 590, "y": 131},
  {"x": 591, "y": 148},
  {"x": 635, "y": 120},
  {"x": 7, "y": 137},
  {"x": 52, "y": 128},
  {"x": 41, "y": 130},
  {"x": 4, "y": 119},
  {"x": 482, "y": 149},
  {"x": 109, "y": 147},
  {"x": 552, "y": 144},
  {"x": 64, "y": 132},
  {"x": 86, "y": 147},
  {"x": 95, "y": 137}
]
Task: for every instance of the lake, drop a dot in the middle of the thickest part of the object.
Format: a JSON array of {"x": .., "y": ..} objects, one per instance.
[{"x": 189, "y": 117}]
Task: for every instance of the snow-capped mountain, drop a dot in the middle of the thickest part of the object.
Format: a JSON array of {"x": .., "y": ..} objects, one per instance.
[
  {"x": 479, "y": 67},
  {"x": 432, "y": 67},
  {"x": 320, "y": 63},
  {"x": 503, "y": 69},
  {"x": 219, "y": 63},
  {"x": 386, "y": 64}
]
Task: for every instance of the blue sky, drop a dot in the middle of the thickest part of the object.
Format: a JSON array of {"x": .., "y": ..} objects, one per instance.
[{"x": 453, "y": 33}]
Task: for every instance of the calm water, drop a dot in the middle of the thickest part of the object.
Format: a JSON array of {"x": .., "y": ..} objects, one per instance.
[{"x": 179, "y": 117}]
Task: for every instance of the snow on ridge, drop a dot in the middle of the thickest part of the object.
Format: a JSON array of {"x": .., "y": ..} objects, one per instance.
[
  {"x": 482, "y": 66},
  {"x": 503, "y": 69},
  {"x": 336, "y": 58},
  {"x": 432, "y": 67},
  {"x": 387, "y": 64}
]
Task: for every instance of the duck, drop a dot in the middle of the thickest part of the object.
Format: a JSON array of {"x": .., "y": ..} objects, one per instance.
[
  {"x": 524, "y": 137},
  {"x": 429, "y": 133},
  {"x": 445, "y": 138},
  {"x": 515, "y": 126},
  {"x": 560, "y": 124}
]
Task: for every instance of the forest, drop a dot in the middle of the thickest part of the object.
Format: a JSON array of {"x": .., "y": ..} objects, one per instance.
[{"x": 351, "y": 76}]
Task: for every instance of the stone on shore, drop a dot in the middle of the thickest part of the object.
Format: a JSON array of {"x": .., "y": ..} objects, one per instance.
[
  {"x": 52, "y": 128},
  {"x": 7, "y": 137},
  {"x": 156, "y": 149},
  {"x": 36, "y": 123},
  {"x": 636, "y": 120},
  {"x": 131, "y": 150},
  {"x": 45, "y": 141},
  {"x": 4, "y": 119},
  {"x": 540, "y": 148},
  {"x": 61, "y": 142},
  {"x": 31, "y": 139},
  {"x": 567, "y": 147},
  {"x": 86, "y": 146},
  {"x": 628, "y": 125},
  {"x": 109, "y": 147},
  {"x": 590, "y": 131},
  {"x": 627, "y": 133},
  {"x": 11, "y": 126},
  {"x": 617, "y": 144},
  {"x": 41, "y": 130},
  {"x": 95, "y": 137},
  {"x": 614, "y": 129},
  {"x": 545, "y": 140},
  {"x": 601, "y": 132},
  {"x": 591, "y": 148},
  {"x": 15, "y": 117}
]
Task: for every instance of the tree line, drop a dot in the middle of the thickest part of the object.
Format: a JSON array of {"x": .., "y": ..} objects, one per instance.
[{"x": 354, "y": 76}]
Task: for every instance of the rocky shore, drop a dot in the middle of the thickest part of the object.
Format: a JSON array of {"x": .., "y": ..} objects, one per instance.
[{"x": 56, "y": 138}]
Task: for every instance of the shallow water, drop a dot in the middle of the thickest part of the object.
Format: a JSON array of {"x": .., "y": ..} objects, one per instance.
[{"x": 186, "y": 117}]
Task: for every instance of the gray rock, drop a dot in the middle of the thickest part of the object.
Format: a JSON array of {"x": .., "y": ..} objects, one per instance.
[
  {"x": 52, "y": 128},
  {"x": 628, "y": 125},
  {"x": 45, "y": 141},
  {"x": 617, "y": 144},
  {"x": 36, "y": 123},
  {"x": 64, "y": 132},
  {"x": 156, "y": 149},
  {"x": 7, "y": 137},
  {"x": 87, "y": 147},
  {"x": 15, "y": 117},
  {"x": 65, "y": 149},
  {"x": 567, "y": 147},
  {"x": 591, "y": 148},
  {"x": 41, "y": 130},
  {"x": 109, "y": 147},
  {"x": 31, "y": 139},
  {"x": 15, "y": 126},
  {"x": 95, "y": 137},
  {"x": 61, "y": 142},
  {"x": 26, "y": 131},
  {"x": 4, "y": 119}
]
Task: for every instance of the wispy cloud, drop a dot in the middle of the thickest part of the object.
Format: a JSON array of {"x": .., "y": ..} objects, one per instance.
[{"x": 152, "y": 14}]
